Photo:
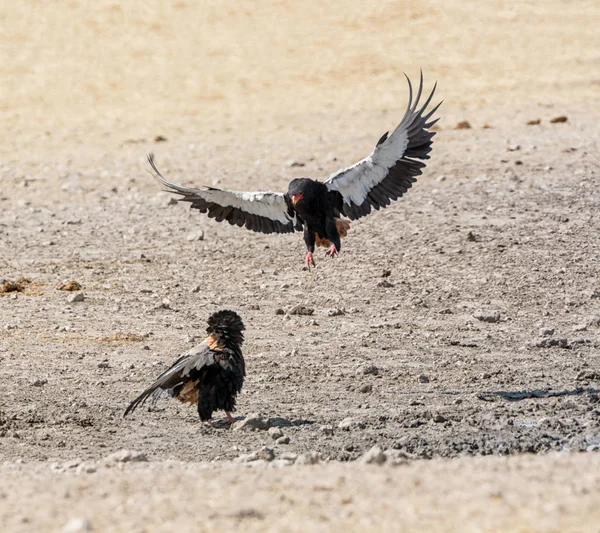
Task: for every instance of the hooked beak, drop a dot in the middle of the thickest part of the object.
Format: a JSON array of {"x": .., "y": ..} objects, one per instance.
[{"x": 297, "y": 197}]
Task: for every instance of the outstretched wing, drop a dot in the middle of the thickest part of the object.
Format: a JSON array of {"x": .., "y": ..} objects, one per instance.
[
  {"x": 182, "y": 371},
  {"x": 391, "y": 169},
  {"x": 265, "y": 212}
]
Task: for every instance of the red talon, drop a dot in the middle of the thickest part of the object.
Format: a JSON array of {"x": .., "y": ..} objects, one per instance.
[
  {"x": 333, "y": 251},
  {"x": 309, "y": 260},
  {"x": 230, "y": 419}
]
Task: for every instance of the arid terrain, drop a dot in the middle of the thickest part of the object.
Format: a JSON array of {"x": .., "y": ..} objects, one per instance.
[{"x": 444, "y": 374}]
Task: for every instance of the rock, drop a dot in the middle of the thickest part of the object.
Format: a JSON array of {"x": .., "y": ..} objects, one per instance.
[
  {"x": 385, "y": 284},
  {"x": 73, "y": 463},
  {"x": 283, "y": 440},
  {"x": 195, "y": 236},
  {"x": 423, "y": 378},
  {"x": 275, "y": 433},
  {"x": 486, "y": 375},
  {"x": 350, "y": 423},
  {"x": 548, "y": 343},
  {"x": 534, "y": 122},
  {"x": 172, "y": 201},
  {"x": 558, "y": 120},
  {"x": 374, "y": 456},
  {"x": 252, "y": 422},
  {"x": 288, "y": 456},
  {"x": 291, "y": 163},
  {"x": 76, "y": 297},
  {"x": 463, "y": 125},
  {"x": 266, "y": 454},
  {"x": 439, "y": 419},
  {"x": 327, "y": 430},
  {"x": 126, "y": 456},
  {"x": 160, "y": 139},
  {"x": 472, "y": 237},
  {"x": 593, "y": 448},
  {"x": 279, "y": 311},
  {"x": 441, "y": 178},
  {"x": 301, "y": 310},
  {"x": 247, "y": 457},
  {"x": 335, "y": 312},
  {"x": 546, "y": 332},
  {"x": 580, "y": 327},
  {"x": 86, "y": 468},
  {"x": 513, "y": 147},
  {"x": 78, "y": 524},
  {"x": 370, "y": 369},
  {"x": 70, "y": 286},
  {"x": 309, "y": 458},
  {"x": 488, "y": 316},
  {"x": 103, "y": 364},
  {"x": 165, "y": 304},
  {"x": 40, "y": 382},
  {"x": 366, "y": 388}
]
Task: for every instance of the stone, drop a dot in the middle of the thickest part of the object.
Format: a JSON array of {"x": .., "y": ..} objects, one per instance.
[
  {"x": 366, "y": 388},
  {"x": 78, "y": 524},
  {"x": 252, "y": 422},
  {"x": 283, "y": 440},
  {"x": 75, "y": 297},
  {"x": 126, "y": 456},
  {"x": 548, "y": 343},
  {"x": 195, "y": 236},
  {"x": 439, "y": 419},
  {"x": 370, "y": 369},
  {"x": 327, "y": 430},
  {"x": 423, "y": 378},
  {"x": 266, "y": 454},
  {"x": 309, "y": 458},
  {"x": 488, "y": 316},
  {"x": 40, "y": 382},
  {"x": 291, "y": 163},
  {"x": 374, "y": 456},
  {"x": 279, "y": 311},
  {"x": 335, "y": 312},
  {"x": 301, "y": 310},
  {"x": 350, "y": 423},
  {"x": 546, "y": 332},
  {"x": 275, "y": 433}
]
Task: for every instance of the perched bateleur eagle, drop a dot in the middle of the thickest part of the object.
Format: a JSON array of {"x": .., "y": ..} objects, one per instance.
[
  {"x": 209, "y": 375},
  {"x": 318, "y": 207}
]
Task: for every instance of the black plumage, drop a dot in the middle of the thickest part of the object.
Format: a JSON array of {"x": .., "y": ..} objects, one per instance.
[
  {"x": 317, "y": 207},
  {"x": 209, "y": 375}
]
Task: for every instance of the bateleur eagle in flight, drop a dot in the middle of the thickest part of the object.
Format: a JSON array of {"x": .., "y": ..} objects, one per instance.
[
  {"x": 209, "y": 375},
  {"x": 318, "y": 207}
]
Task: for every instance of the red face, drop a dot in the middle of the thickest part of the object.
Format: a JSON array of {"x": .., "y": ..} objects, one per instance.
[{"x": 297, "y": 197}]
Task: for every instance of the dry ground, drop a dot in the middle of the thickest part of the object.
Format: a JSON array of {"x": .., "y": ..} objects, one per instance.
[{"x": 502, "y": 227}]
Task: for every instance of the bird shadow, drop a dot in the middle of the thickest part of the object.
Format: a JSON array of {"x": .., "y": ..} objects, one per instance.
[{"x": 536, "y": 394}]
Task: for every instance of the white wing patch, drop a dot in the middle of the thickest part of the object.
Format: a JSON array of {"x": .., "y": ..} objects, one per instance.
[
  {"x": 394, "y": 164},
  {"x": 264, "y": 204},
  {"x": 355, "y": 182}
]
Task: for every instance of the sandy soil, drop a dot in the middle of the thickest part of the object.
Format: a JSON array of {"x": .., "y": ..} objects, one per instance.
[{"x": 483, "y": 340}]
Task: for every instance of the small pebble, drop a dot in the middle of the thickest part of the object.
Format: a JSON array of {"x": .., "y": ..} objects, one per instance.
[
  {"x": 283, "y": 440},
  {"x": 78, "y": 524},
  {"x": 374, "y": 456},
  {"x": 275, "y": 433},
  {"x": 423, "y": 378},
  {"x": 76, "y": 297}
]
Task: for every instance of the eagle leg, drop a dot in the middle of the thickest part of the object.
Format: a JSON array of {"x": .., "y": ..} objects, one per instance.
[
  {"x": 230, "y": 419},
  {"x": 309, "y": 260},
  {"x": 333, "y": 251}
]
